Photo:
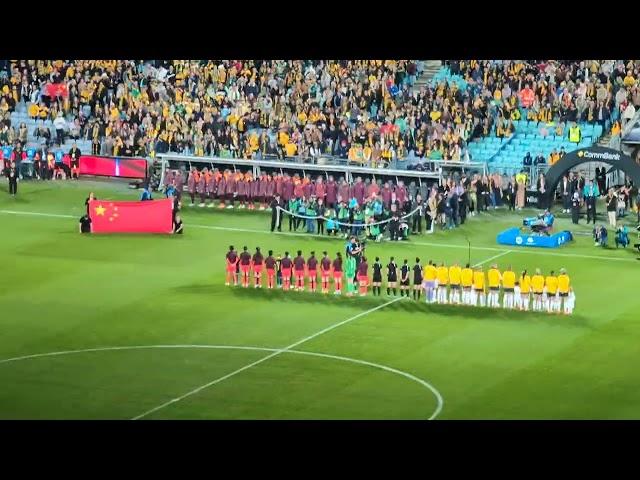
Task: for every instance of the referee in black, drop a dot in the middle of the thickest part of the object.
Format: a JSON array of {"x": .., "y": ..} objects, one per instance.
[
  {"x": 377, "y": 277},
  {"x": 12, "y": 175}
]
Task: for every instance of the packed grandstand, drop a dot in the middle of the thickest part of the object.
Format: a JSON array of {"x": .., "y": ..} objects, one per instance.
[{"x": 507, "y": 116}]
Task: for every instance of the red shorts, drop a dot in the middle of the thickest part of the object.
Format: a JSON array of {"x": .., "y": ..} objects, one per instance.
[
  {"x": 245, "y": 268},
  {"x": 337, "y": 274},
  {"x": 363, "y": 278},
  {"x": 258, "y": 268},
  {"x": 286, "y": 273},
  {"x": 313, "y": 274},
  {"x": 231, "y": 268},
  {"x": 271, "y": 272},
  {"x": 326, "y": 275}
]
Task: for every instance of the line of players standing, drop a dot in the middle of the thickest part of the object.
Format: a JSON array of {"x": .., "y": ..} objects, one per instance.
[{"x": 441, "y": 284}]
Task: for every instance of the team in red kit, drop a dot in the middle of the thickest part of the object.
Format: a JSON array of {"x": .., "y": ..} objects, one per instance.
[{"x": 240, "y": 266}]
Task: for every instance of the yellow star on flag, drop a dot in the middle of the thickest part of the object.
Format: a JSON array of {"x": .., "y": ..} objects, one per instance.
[{"x": 100, "y": 210}]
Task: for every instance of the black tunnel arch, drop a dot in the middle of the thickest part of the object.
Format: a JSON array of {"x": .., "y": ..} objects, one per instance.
[{"x": 611, "y": 157}]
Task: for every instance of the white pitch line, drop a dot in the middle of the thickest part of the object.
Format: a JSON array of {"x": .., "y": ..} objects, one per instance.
[
  {"x": 264, "y": 359},
  {"x": 424, "y": 383},
  {"x": 54, "y": 215},
  {"x": 426, "y": 244},
  {"x": 492, "y": 258}
]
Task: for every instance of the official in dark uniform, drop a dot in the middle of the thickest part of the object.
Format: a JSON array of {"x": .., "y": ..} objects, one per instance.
[
  {"x": 392, "y": 277},
  {"x": 276, "y": 215},
  {"x": 74, "y": 153},
  {"x": 376, "y": 281},
  {"x": 12, "y": 175},
  {"x": 575, "y": 207},
  {"x": 591, "y": 194}
]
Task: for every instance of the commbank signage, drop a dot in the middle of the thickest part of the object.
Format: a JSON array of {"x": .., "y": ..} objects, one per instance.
[
  {"x": 603, "y": 156},
  {"x": 574, "y": 158}
]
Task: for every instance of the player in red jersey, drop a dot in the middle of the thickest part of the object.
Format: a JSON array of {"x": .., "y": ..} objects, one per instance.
[
  {"x": 270, "y": 264},
  {"x": 257, "y": 265},
  {"x": 337, "y": 274},
  {"x": 245, "y": 266},
  {"x": 298, "y": 271},
  {"x": 363, "y": 277},
  {"x": 232, "y": 261},
  {"x": 285, "y": 267},
  {"x": 325, "y": 272},
  {"x": 312, "y": 271}
]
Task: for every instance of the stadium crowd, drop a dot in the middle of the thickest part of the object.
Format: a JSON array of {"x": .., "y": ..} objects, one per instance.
[{"x": 362, "y": 110}]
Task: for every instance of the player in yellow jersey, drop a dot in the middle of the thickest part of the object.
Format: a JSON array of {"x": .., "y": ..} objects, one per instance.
[
  {"x": 430, "y": 279},
  {"x": 564, "y": 284},
  {"x": 443, "y": 281},
  {"x": 508, "y": 287},
  {"x": 525, "y": 290},
  {"x": 455, "y": 272},
  {"x": 479, "y": 297},
  {"x": 466, "y": 280},
  {"x": 493, "y": 279},
  {"x": 551, "y": 286},
  {"x": 537, "y": 287}
]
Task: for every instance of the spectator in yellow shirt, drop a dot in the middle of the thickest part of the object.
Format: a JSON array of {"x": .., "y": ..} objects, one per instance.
[{"x": 290, "y": 149}]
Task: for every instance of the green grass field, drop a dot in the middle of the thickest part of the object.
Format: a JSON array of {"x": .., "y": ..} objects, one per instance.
[{"x": 308, "y": 356}]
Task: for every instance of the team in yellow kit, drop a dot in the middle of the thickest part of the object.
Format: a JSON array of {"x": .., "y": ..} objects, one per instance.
[{"x": 472, "y": 286}]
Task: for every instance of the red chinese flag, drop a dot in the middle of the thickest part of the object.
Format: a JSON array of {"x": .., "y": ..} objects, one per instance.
[{"x": 152, "y": 216}]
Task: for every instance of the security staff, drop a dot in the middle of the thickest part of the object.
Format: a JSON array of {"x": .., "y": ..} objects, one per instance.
[
  {"x": 574, "y": 133},
  {"x": 591, "y": 193}
]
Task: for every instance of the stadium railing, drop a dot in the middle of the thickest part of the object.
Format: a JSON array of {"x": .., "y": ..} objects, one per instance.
[{"x": 323, "y": 164}]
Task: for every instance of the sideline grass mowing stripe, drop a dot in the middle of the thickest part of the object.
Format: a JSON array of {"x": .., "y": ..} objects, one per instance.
[{"x": 264, "y": 359}]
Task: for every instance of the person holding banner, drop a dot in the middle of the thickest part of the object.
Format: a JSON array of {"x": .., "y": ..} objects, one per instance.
[{"x": 276, "y": 216}]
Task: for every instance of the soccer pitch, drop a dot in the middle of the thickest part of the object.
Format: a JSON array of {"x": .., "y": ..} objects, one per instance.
[{"x": 134, "y": 326}]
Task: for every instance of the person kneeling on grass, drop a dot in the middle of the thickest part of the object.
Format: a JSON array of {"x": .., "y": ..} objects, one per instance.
[
  {"x": 177, "y": 225},
  {"x": 622, "y": 236},
  {"x": 600, "y": 236},
  {"x": 85, "y": 224}
]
